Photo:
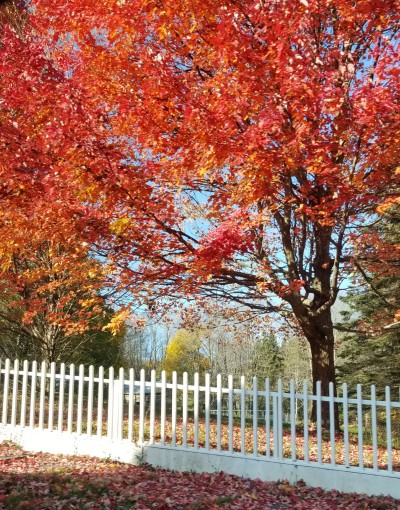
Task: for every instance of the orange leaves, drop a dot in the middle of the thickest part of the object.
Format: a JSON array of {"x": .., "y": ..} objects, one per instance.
[{"x": 117, "y": 321}]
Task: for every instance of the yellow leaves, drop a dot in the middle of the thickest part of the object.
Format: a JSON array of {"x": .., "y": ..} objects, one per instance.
[
  {"x": 388, "y": 204},
  {"x": 87, "y": 303},
  {"x": 117, "y": 322},
  {"x": 163, "y": 32},
  {"x": 119, "y": 225}
]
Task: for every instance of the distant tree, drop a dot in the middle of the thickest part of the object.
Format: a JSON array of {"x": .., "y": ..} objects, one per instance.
[
  {"x": 144, "y": 347},
  {"x": 185, "y": 353},
  {"x": 267, "y": 359},
  {"x": 296, "y": 356}
]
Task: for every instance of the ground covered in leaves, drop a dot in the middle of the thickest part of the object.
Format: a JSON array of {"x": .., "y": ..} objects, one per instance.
[{"x": 38, "y": 480}]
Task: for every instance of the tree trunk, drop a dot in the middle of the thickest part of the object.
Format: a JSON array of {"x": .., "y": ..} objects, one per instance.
[{"x": 319, "y": 333}]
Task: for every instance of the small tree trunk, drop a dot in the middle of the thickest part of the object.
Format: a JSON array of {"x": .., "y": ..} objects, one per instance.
[{"x": 319, "y": 333}]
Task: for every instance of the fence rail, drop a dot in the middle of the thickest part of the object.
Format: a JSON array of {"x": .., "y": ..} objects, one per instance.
[{"x": 251, "y": 420}]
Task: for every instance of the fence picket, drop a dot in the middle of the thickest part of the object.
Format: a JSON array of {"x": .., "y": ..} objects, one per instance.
[
  {"x": 174, "y": 404},
  {"x": 152, "y": 405},
  {"x": 131, "y": 403},
  {"x": 388, "y": 430},
  {"x": 345, "y": 424},
  {"x": 42, "y": 394},
  {"x": 255, "y": 417},
  {"x": 89, "y": 426},
  {"x": 24, "y": 393},
  {"x": 267, "y": 420},
  {"x": 71, "y": 397},
  {"x": 141, "y": 406},
  {"x": 305, "y": 419},
  {"x": 185, "y": 408},
  {"x": 360, "y": 426},
  {"x": 119, "y": 406},
  {"x": 33, "y": 395},
  {"x": 280, "y": 420},
  {"x": 163, "y": 405},
  {"x": 319, "y": 421},
  {"x": 110, "y": 410},
  {"x": 6, "y": 384},
  {"x": 292, "y": 421},
  {"x": 219, "y": 398},
  {"x": 80, "y": 398},
  {"x": 196, "y": 409},
  {"x": 61, "y": 391},
  {"x": 100, "y": 397},
  {"x": 230, "y": 413},
  {"x": 51, "y": 396},
  {"x": 332, "y": 421},
  {"x": 15, "y": 394},
  {"x": 374, "y": 430},
  {"x": 242, "y": 415},
  {"x": 207, "y": 406}
]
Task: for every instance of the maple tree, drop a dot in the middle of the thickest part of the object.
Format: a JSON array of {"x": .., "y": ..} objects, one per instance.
[
  {"x": 50, "y": 282},
  {"x": 232, "y": 149}
]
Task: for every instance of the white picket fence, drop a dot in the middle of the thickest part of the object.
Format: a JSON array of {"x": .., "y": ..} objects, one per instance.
[{"x": 204, "y": 427}]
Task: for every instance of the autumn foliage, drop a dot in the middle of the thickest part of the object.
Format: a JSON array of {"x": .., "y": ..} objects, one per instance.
[{"x": 236, "y": 149}]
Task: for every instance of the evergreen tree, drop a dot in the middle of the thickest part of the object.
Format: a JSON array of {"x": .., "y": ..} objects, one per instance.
[{"x": 370, "y": 350}]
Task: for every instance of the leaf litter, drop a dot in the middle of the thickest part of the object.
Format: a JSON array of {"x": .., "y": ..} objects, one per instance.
[{"x": 57, "y": 482}]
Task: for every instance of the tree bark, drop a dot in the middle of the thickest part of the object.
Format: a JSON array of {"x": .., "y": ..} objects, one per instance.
[{"x": 319, "y": 333}]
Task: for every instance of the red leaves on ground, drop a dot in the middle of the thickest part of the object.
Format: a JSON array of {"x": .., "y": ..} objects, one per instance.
[{"x": 57, "y": 482}]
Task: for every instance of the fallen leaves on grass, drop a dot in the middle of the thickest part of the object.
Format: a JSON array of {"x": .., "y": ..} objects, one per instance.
[{"x": 43, "y": 481}]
